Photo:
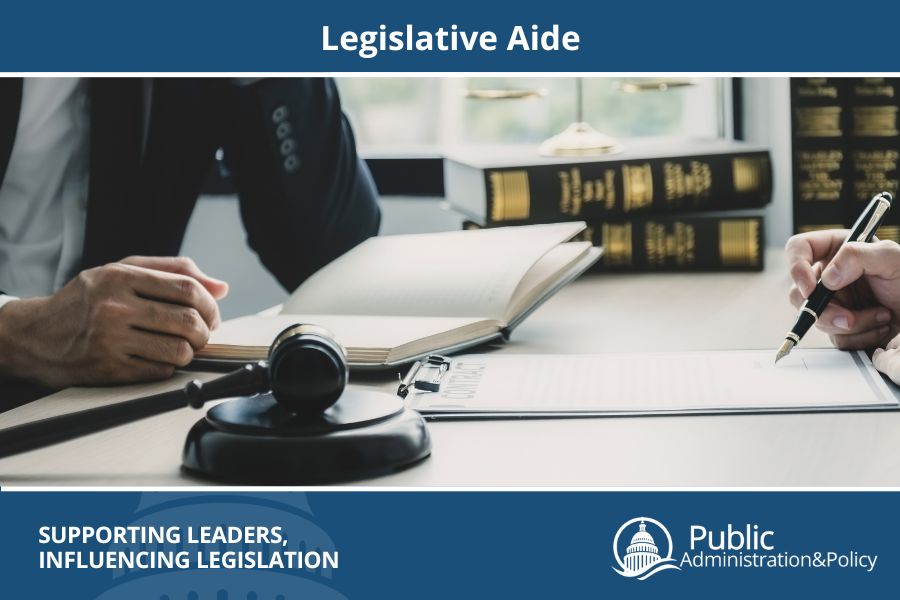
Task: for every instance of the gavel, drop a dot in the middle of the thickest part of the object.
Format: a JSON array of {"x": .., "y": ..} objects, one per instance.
[{"x": 305, "y": 371}]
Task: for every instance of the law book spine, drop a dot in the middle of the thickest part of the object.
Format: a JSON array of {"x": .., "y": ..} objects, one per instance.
[
  {"x": 874, "y": 141},
  {"x": 689, "y": 243},
  {"x": 578, "y": 191},
  {"x": 820, "y": 121}
]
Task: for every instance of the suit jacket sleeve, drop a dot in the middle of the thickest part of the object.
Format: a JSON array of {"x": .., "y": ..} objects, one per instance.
[{"x": 305, "y": 195}]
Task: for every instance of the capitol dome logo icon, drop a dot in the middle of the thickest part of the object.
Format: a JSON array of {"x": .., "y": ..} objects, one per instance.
[{"x": 642, "y": 557}]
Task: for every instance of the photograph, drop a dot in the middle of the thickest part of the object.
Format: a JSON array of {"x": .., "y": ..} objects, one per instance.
[{"x": 527, "y": 256}]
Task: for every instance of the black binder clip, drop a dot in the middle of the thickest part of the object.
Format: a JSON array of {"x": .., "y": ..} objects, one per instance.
[{"x": 425, "y": 375}]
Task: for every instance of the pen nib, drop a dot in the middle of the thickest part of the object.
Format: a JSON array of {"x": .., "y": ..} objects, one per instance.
[{"x": 785, "y": 349}]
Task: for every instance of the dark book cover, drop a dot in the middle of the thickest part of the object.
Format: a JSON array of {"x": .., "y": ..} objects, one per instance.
[
  {"x": 820, "y": 121},
  {"x": 510, "y": 187},
  {"x": 874, "y": 140},
  {"x": 683, "y": 243}
]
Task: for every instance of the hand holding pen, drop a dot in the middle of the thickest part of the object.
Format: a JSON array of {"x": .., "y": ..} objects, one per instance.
[{"x": 864, "y": 282}]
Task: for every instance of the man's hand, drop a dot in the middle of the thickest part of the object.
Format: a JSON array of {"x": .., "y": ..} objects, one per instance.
[
  {"x": 865, "y": 311},
  {"x": 134, "y": 320}
]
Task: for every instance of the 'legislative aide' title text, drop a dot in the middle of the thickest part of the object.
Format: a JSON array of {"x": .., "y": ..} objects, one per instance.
[{"x": 368, "y": 44}]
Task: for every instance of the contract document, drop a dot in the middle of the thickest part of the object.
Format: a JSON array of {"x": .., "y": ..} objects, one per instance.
[{"x": 505, "y": 385}]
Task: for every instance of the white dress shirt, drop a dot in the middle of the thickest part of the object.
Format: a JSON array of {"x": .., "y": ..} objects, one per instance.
[{"x": 43, "y": 197}]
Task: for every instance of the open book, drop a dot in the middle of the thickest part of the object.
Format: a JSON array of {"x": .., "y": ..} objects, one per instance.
[{"x": 393, "y": 299}]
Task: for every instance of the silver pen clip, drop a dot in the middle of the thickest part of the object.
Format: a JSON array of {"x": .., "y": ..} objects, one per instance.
[
  {"x": 875, "y": 220},
  {"x": 425, "y": 375}
]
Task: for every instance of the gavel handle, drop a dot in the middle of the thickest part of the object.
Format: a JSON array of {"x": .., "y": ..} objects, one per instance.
[{"x": 249, "y": 379}]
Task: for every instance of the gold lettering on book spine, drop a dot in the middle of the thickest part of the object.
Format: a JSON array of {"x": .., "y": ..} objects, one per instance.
[
  {"x": 601, "y": 190},
  {"x": 674, "y": 242},
  {"x": 875, "y": 121},
  {"x": 874, "y": 87},
  {"x": 876, "y": 171},
  {"x": 637, "y": 181},
  {"x": 818, "y": 121},
  {"x": 511, "y": 197},
  {"x": 691, "y": 181},
  {"x": 739, "y": 243},
  {"x": 565, "y": 192},
  {"x": 616, "y": 239},
  {"x": 750, "y": 174},
  {"x": 889, "y": 232},
  {"x": 819, "y": 174},
  {"x": 819, "y": 227},
  {"x": 816, "y": 87},
  {"x": 573, "y": 198}
]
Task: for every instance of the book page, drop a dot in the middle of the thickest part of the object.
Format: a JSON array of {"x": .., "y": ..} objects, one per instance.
[
  {"x": 450, "y": 274},
  {"x": 352, "y": 331},
  {"x": 658, "y": 382},
  {"x": 544, "y": 274}
]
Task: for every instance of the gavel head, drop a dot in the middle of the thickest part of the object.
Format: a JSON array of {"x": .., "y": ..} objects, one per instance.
[{"x": 307, "y": 369}]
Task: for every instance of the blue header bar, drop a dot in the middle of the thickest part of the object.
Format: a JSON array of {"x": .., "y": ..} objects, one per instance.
[{"x": 603, "y": 36}]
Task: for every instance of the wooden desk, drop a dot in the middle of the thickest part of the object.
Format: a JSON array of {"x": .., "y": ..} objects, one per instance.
[{"x": 599, "y": 313}]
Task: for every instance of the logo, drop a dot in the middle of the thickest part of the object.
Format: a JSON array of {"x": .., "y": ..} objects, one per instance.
[{"x": 642, "y": 557}]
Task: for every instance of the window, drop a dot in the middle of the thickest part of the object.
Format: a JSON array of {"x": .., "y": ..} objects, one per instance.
[{"x": 416, "y": 115}]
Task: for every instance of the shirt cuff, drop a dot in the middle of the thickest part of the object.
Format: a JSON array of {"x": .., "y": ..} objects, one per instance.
[{"x": 4, "y": 300}]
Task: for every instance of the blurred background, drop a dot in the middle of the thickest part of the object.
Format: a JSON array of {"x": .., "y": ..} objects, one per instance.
[
  {"x": 403, "y": 125},
  {"x": 392, "y": 114}
]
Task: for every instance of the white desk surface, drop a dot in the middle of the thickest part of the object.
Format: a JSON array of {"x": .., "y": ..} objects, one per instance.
[{"x": 599, "y": 313}]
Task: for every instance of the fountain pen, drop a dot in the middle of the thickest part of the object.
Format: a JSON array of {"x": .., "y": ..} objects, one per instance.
[{"x": 862, "y": 231}]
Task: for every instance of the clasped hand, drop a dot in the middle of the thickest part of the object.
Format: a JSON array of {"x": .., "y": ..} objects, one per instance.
[{"x": 135, "y": 320}]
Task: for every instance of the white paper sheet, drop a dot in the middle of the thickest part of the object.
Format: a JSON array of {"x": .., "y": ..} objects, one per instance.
[{"x": 658, "y": 383}]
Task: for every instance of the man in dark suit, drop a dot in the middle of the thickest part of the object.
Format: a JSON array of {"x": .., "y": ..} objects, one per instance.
[{"x": 98, "y": 179}]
